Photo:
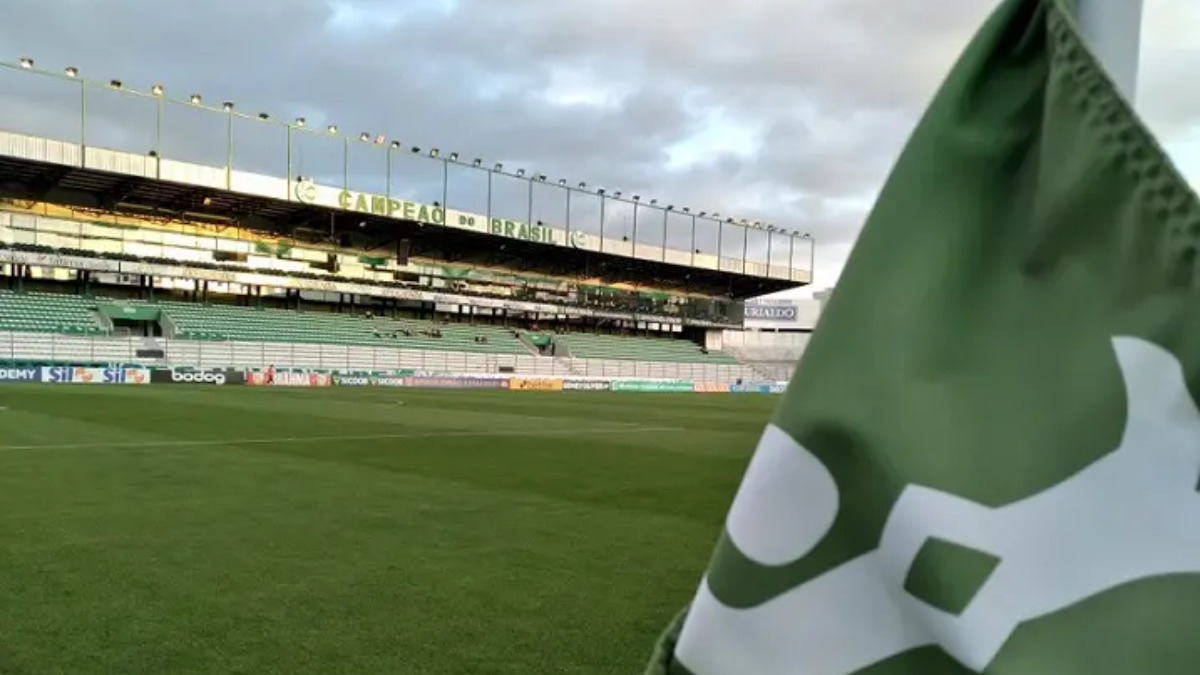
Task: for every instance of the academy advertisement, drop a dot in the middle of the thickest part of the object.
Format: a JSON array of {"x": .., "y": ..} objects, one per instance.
[{"x": 20, "y": 374}]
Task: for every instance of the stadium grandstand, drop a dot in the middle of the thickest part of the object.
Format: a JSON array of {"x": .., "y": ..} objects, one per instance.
[{"x": 111, "y": 253}]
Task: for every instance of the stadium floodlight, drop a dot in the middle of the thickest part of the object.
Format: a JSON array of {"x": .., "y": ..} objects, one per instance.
[
  {"x": 562, "y": 182},
  {"x": 364, "y": 137},
  {"x": 264, "y": 116},
  {"x": 195, "y": 99},
  {"x": 498, "y": 167},
  {"x": 716, "y": 214},
  {"x": 115, "y": 84},
  {"x": 26, "y": 63},
  {"x": 300, "y": 122},
  {"x": 454, "y": 157},
  {"x": 637, "y": 198},
  {"x": 477, "y": 163},
  {"x": 380, "y": 139},
  {"x": 434, "y": 152},
  {"x": 395, "y": 145},
  {"x": 687, "y": 209},
  {"x": 541, "y": 178},
  {"x": 157, "y": 90},
  {"x": 582, "y": 185},
  {"x": 71, "y": 71},
  {"x": 617, "y": 194},
  {"x": 520, "y": 173},
  {"x": 670, "y": 207},
  {"x": 332, "y": 128},
  {"x": 227, "y": 106},
  {"x": 414, "y": 149},
  {"x": 703, "y": 214},
  {"x": 653, "y": 202},
  {"x": 600, "y": 191},
  {"x": 729, "y": 220}
]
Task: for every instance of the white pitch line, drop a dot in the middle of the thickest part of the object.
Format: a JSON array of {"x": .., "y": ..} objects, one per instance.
[{"x": 322, "y": 439}]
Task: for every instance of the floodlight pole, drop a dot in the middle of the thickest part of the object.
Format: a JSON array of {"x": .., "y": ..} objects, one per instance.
[{"x": 1113, "y": 29}]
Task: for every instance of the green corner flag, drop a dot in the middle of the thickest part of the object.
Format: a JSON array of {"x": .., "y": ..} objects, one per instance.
[{"x": 988, "y": 459}]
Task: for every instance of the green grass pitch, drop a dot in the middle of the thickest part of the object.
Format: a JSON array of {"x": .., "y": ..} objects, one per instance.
[{"x": 205, "y": 530}]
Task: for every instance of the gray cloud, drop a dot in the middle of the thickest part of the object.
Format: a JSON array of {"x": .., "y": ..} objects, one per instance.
[{"x": 825, "y": 90}]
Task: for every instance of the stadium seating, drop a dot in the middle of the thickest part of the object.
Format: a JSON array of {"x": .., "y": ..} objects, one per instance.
[
  {"x": 72, "y": 314},
  {"x": 589, "y": 346},
  {"x": 47, "y": 313},
  {"x": 227, "y": 322}
]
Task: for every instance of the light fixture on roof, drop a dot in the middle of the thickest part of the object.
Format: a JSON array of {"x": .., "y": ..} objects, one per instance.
[
  {"x": 264, "y": 116},
  {"x": 541, "y": 177},
  {"x": 582, "y": 185},
  {"x": 115, "y": 84},
  {"x": 617, "y": 194},
  {"x": 637, "y": 198},
  {"x": 26, "y": 62},
  {"x": 227, "y": 106},
  {"x": 157, "y": 90},
  {"x": 414, "y": 149},
  {"x": 520, "y": 173},
  {"x": 300, "y": 122},
  {"x": 71, "y": 71},
  {"x": 477, "y": 163},
  {"x": 562, "y": 182},
  {"x": 653, "y": 202},
  {"x": 364, "y": 137},
  {"x": 332, "y": 128},
  {"x": 380, "y": 139},
  {"x": 195, "y": 99},
  {"x": 454, "y": 157},
  {"x": 687, "y": 209},
  {"x": 434, "y": 152},
  {"x": 600, "y": 191},
  {"x": 703, "y": 213},
  {"x": 395, "y": 145},
  {"x": 498, "y": 167},
  {"x": 670, "y": 207}
]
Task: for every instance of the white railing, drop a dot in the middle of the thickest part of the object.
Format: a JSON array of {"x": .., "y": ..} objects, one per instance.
[{"x": 203, "y": 354}]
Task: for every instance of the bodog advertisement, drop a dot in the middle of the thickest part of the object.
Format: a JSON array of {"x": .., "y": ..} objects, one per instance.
[
  {"x": 535, "y": 384},
  {"x": 215, "y": 376}
]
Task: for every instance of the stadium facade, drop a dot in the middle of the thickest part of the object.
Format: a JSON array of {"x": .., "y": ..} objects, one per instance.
[{"x": 417, "y": 259}]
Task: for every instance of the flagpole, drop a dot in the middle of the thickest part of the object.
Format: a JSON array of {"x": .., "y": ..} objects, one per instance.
[{"x": 1113, "y": 29}]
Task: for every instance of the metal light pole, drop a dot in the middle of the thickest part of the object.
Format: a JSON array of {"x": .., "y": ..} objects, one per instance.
[
  {"x": 445, "y": 185},
  {"x": 228, "y": 147},
  {"x": 636, "y": 202},
  {"x": 603, "y": 199},
  {"x": 745, "y": 246},
  {"x": 693, "y": 249}
]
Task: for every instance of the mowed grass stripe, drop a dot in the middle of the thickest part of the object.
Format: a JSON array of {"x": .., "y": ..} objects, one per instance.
[{"x": 552, "y": 553}]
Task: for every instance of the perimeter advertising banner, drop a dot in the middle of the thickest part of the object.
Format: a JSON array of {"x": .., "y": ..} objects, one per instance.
[
  {"x": 208, "y": 376},
  {"x": 711, "y": 388},
  {"x": 30, "y": 374},
  {"x": 654, "y": 385},
  {"x": 535, "y": 384},
  {"x": 587, "y": 385},
  {"x": 93, "y": 375},
  {"x": 432, "y": 382},
  {"x": 289, "y": 379}
]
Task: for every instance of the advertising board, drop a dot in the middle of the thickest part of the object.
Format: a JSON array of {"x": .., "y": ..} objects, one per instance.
[
  {"x": 93, "y": 375},
  {"x": 587, "y": 385},
  {"x": 289, "y": 379},
  {"x": 711, "y": 388},
  {"x": 654, "y": 385},
  {"x": 535, "y": 384},
  {"x": 351, "y": 380},
  {"x": 434, "y": 382},
  {"x": 30, "y": 374},
  {"x": 209, "y": 376}
]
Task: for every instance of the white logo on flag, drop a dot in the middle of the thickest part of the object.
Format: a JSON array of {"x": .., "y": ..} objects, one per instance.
[{"x": 1133, "y": 514}]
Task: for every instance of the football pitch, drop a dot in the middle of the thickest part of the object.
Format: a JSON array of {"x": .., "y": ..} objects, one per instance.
[{"x": 205, "y": 530}]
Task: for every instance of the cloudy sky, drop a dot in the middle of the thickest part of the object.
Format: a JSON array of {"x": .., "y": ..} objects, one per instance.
[{"x": 787, "y": 112}]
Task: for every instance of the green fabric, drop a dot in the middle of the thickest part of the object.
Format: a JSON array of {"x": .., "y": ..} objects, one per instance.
[{"x": 1003, "y": 375}]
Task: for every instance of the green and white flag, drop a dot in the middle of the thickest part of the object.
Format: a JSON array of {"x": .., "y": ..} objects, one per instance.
[{"x": 988, "y": 459}]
